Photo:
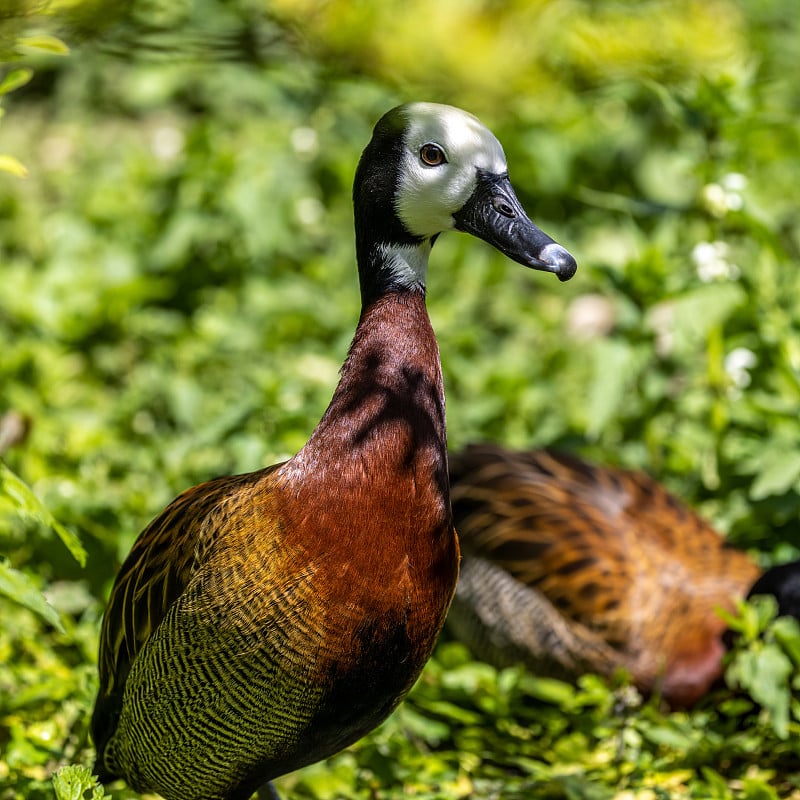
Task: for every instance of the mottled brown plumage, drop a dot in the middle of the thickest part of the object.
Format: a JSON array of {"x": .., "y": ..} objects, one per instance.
[
  {"x": 265, "y": 621},
  {"x": 570, "y": 567}
]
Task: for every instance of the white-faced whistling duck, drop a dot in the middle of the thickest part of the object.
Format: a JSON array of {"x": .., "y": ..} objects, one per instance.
[
  {"x": 571, "y": 568},
  {"x": 265, "y": 621}
]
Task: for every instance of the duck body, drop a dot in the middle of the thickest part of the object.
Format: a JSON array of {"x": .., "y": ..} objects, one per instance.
[
  {"x": 571, "y": 567},
  {"x": 265, "y": 621},
  {"x": 338, "y": 673}
]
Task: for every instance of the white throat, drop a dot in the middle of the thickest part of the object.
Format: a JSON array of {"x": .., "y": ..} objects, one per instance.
[{"x": 407, "y": 264}]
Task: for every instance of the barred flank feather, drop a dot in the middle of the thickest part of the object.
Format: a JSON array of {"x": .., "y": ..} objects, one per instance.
[{"x": 591, "y": 569}]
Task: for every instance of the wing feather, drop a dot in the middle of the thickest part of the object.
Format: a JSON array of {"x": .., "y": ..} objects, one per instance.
[{"x": 153, "y": 576}]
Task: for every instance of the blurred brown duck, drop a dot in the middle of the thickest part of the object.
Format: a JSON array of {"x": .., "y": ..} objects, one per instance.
[
  {"x": 570, "y": 567},
  {"x": 265, "y": 621}
]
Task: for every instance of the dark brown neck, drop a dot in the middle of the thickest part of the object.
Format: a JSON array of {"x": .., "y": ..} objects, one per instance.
[{"x": 384, "y": 429}]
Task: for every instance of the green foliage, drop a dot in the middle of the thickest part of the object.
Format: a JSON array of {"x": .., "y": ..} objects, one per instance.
[
  {"x": 17, "y": 498},
  {"x": 13, "y": 80},
  {"x": 72, "y": 783},
  {"x": 468, "y": 730},
  {"x": 19, "y": 587},
  {"x": 16, "y": 41},
  {"x": 25, "y": 502},
  {"x": 766, "y": 661},
  {"x": 178, "y": 293}
]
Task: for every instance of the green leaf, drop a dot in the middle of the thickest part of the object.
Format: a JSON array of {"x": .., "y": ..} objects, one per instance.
[
  {"x": 453, "y": 712},
  {"x": 21, "y": 589},
  {"x": 73, "y": 781},
  {"x": 734, "y": 620},
  {"x": 764, "y": 673},
  {"x": 780, "y": 471},
  {"x": 716, "y": 783},
  {"x": 755, "y": 789},
  {"x": 28, "y": 504},
  {"x": 13, "y": 165},
  {"x": 752, "y": 617},
  {"x": 612, "y": 374},
  {"x": 44, "y": 43},
  {"x": 550, "y": 690},
  {"x": 787, "y": 633},
  {"x": 696, "y": 312},
  {"x": 667, "y": 735},
  {"x": 15, "y": 79}
]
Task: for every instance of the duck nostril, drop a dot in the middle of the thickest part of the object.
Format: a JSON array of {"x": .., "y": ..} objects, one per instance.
[{"x": 503, "y": 207}]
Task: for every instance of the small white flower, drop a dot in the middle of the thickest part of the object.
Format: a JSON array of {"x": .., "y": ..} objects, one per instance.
[
  {"x": 308, "y": 211},
  {"x": 661, "y": 319},
  {"x": 734, "y": 182},
  {"x": 734, "y": 201},
  {"x": 714, "y": 197},
  {"x": 725, "y": 196},
  {"x": 305, "y": 142},
  {"x": 711, "y": 261},
  {"x": 738, "y": 364},
  {"x": 167, "y": 142}
]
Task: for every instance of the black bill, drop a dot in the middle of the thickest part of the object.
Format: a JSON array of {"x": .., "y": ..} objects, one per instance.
[{"x": 493, "y": 213}]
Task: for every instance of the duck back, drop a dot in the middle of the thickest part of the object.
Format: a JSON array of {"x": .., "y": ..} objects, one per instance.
[{"x": 635, "y": 575}]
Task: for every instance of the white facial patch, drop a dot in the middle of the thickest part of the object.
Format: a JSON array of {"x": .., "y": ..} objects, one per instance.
[{"x": 428, "y": 196}]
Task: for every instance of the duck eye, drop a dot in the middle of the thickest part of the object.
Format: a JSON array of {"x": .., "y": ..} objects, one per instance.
[{"x": 432, "y": 155}]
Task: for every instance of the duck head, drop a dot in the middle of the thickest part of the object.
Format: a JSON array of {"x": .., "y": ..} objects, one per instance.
[
  {"x": 431, "y": 168},
  {"x": 783, "y": 583}
]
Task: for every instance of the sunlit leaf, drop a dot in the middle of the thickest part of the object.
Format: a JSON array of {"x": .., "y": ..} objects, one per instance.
[
  {"x": 764, "y": 673},
  {"x": 43, "y": 43},
  {"x": 20, "y": 588},
  {"x": 14, "y": 79},
  {"x": 787, "y": 632},
  {"x": 13, "y": 165},
  {"x": 716, "y": 783},
  {"x": 550, "y": 690},
  {"x": 755, "y": 789},
  {"x": 780, "y": 471},
  {"x": 73, "y": 781},
  {"x": 612, "y": 377},
  {"x": 28, "y": 503},
  {"x": 696, "y": 312},
  {"x": 668, "y": 735}
]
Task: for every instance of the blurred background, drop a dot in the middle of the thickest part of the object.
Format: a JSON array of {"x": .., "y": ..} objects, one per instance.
[{"x": 178, "y": 291}]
